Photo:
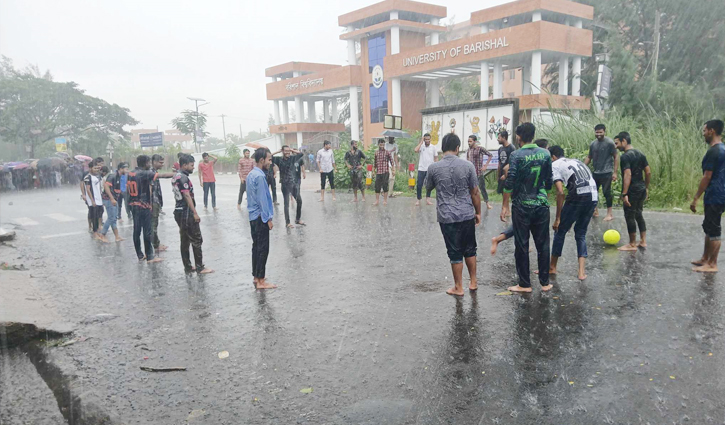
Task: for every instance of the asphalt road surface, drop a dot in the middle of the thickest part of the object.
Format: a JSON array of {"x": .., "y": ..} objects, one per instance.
[{"x": 361, "y": 318}]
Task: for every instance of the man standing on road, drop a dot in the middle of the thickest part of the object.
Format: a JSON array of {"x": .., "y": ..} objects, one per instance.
[
  {"x": 427, "y": 155},
  {"x": 603, "y": 154},
  {"x": 124, "y": 197},
  {"x": 354, "y": 159},
  {"x": 713, "y": 184},
  {"x": 157, "y": 163},
  {"x": 578, "y": 209},
  {"x": 271, "y": 183},
  {"x": 382, "y": 172},
  {"x": 326, "y": 165},
  {"x": 635, "y": 190},
  {"x": 94, "y": 198},
  {"x": 140, "y": 188},
  {"x": 261, "y": 211},
  {"x": 529, "y": 178},
  {"x": 475, "y": 156},
  {"x": 286, "y": 164},
  {"x": 207, "y": 178},
  {"x": 392, "y": 148},
  {"x": 112, "y": 188},
  {"x": 311, "y": 158},
  {"x": 246, "y": 164},
  {"x": 504, "y": 155},
  {"x": 459, "y": 210},
  {"x": 186, "y": 216}
]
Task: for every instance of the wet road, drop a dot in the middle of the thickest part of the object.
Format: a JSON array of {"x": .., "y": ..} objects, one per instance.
[{"x": 362, "y": 318}]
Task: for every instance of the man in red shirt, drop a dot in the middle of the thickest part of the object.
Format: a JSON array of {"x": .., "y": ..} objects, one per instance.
[
  {"x": 246, "y": 164},
  {"x": 382, "y": 172},
  {"x": 207, "y": 178}
]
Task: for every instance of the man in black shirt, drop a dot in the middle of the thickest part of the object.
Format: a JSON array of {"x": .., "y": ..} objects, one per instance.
[
  {"x": 157, "y": 163},
  {"x": 635, "y": 190},
  {"x": 272, "y": 182},
  {"x": 354, "y": 159},
  {"x": 288, "y": 176},
  {"x": 140, "y": 189},
  {"x": 504, "y": 157},
  {"x": 186, "y": 216}
]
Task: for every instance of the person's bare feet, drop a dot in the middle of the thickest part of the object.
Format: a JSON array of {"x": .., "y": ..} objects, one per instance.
[
  {"x": 385, "y": 203},
  {"x": 473, "y": 285},
  {"x": 609, "y": 217},
  {"x": 206, "y": 271},
  {"x": 300, "y": 223},
  {"x": 705, "y": 268},
  {"x": 363, "y": 199},
  {"x": 119, "y": 239},
  {"x": 547, "y": 288},
  {"x": 552, "y": 270},
  {"x": 581, "y": 276},
  {"x": 155, "y": 260},
  {"x": 699, "y": 262},
  {"x": 290, "y": 226},
  {"x": 494, "y": 245},
  {"x": 517, "y": 288},
  {"x": 642, "y": 244},
  {"x": 376, "y": 203},
  {"x": 489, "y": 206},
  {"x": 162, "y": 248},
  {"x": 334, "y": 199},
  {"x": 263, "y": 284},
  {"x": 596, "y": 213},
  {"x": 216, "y": 209},
  {"x": 628, "y": 247},
  {"x": 428, "y": 202},
  {"x": 320, "y": 200},
  {"x": 417, "y": 203},
  {"x": 454, "y": 291},
  {"x": 104, "y": 239},
  {"x": 239, "y": 207},
  {"x": 353, "y": 201}
]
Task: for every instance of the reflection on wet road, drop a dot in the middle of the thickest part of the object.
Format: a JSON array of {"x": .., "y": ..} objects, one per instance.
[{"x": 362, "y": 318}]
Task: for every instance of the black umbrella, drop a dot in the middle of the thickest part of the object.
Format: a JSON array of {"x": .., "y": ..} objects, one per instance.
[{"x": 45, "y": 163}]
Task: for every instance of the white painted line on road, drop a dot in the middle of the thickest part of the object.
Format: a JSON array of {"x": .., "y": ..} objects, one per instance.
[
  {"x": 25, "y": 221},
  {"x": 60, "y": 217},
  {"x": 84, "y": 210},
  {"x": 60, "y": 235}
]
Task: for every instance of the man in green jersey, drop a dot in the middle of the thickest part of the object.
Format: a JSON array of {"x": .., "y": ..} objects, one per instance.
[{"x": 528, "y": 180}]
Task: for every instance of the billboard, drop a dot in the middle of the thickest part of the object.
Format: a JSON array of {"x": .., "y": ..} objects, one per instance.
[
  {"x": 61, "y": 144},
  {"x": 149, "y": 140}
]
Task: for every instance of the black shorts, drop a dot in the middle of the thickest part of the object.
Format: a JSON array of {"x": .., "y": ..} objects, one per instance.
[
  {"x": 96, "y": 212},
  {"x": 382, "y": 182},
  {"x": 460, "y": 239},
  {"x": 330, "y": 176},
  {"x": 711, "y": 223}
]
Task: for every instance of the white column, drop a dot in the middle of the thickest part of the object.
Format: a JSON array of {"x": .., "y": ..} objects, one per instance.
[
  {"x": 484, "y": 80},
  {"x": 434, "y": 87},
  {"x": 335, "y": 117},
  {"x": 299, "y": 139},
  {"x": 434, "y": 36},
  {"x": 536, "y": 16},
  {"x": 351, "y": 56},
  {"x": 325, "y": 111},
  {"x": 397, "y": 107},
  {"x": 576, "y": 69},
  {"x": 299, "y": 111},
  {"x": 535, "y": 72},
  {"x": 276, "y": 112},
  {"x": 564, "y": 75},
  {"x": 354, "y": 115},
  {"x": 394, "y": 35},
  {"x": 311, "y": 115},
  {"x": 285, "y": 112},
  {"x": 497, "y": 80}
]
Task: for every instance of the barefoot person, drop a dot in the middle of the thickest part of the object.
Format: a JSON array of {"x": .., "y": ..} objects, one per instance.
[
  {"x": 581, "y": 200},
  {"x": 529, "y": 178},
  {"x": 354, "y": 160},
  {"x": 111, "y": 195},
  {"x": 475, "y": 155},
  {"x": 427, "y": 155},
  {"x": 635, "y": 190},
  {"x": 326, "y": 165},
  {"x": 459, "y": 209},
  {"x": 382, "y": 163},
  {"x": 94, "y": 198},
  {"x": 713, "y": 184},
  {"x": 246, "y": 164},
  {"x": 157, "y": 163},
  {"x": 186, "y": 216},
  {"x": 207, "y": 178},
  {"x": 290, "y": 187},
  {"x": 603, "y": 154},
  {"x": 261, "y": 210}
]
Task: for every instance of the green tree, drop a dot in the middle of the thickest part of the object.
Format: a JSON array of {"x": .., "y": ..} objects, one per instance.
[
  {"x": 187, "y": 123},
  {"x": 34, "y": 110}
]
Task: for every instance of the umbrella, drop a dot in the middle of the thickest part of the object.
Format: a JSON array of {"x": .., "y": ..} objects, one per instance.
[
  {"x": 44, "y": 163},
  {"x": 21, "y": 166},
  {"x": 34, "y": 164},
  {"x": 83, "y": 158},
  {"x": 58, "y": 163},
  {"x": 62, "y": 155},
  {"x": 395, "y": 133}
]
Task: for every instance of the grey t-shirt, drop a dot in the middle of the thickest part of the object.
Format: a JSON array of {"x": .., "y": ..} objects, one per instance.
[
  {"x": 453, "y": 178},
  {"x": 601, "y": 155}
]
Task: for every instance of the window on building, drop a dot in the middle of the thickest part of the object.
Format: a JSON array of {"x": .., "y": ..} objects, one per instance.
[
  {"x": 376, "y": 51},
  {"x": 512, "y": 74},
  {"x": 378, "y": 97}
]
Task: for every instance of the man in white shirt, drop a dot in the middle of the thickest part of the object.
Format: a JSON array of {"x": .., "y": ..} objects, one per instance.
[
  {"x": 428, "y": 154},
  {"x": 326, "y": 165},
  {"x": 94, "y": 200}
]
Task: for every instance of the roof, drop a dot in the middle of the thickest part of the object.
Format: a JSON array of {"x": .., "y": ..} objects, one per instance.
[
  {"x": 378, "y": 12},
  {"x": 287, "y": 69}
]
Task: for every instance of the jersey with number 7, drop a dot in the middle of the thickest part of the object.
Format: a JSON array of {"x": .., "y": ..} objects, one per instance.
[{"x": 529, "y": 177}]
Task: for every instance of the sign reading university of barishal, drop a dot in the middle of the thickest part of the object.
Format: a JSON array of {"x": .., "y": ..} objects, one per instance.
[
  {"x": 310, "y": 82},
  {"x": 466, "y": 49}
]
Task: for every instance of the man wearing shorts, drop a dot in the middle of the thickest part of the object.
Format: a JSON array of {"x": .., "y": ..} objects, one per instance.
[
  {"x": 713, "y": 184},
  {"x": 635, "y": 185},
  {"x": 326, "y": 165},
  {"x": 603, "y": 155},
  {"x": 383, "y": 160},
  {"x": 459, "y": 210},
  {"x": 475, "y": 156},
  {"x": 504, "y": 154},
  {"x": 354, "y": 159}
]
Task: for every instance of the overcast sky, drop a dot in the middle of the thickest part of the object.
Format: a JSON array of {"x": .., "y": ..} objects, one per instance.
[{"x": 150, "y": 55}]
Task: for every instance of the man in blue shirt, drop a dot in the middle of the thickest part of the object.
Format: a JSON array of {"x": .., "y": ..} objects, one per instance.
[
  {"x": 125, "y": 197},
  {"x": 713, "y": 184},
  {"x": 261, "y": 210}
]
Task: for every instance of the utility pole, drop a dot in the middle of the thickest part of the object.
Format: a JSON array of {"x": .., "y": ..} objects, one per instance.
[
  {"x": 196, "y": 120},
  {"x": 240, "y": 134},
  {"x": 224, "y": 129},
  {"x": 657, "y": 43}
]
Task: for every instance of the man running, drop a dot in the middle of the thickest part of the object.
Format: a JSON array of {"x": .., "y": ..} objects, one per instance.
[
  {"x": 459, "y": 210},
  {"x": 713, "y": 184},
  {"x": 382, "y": 172},
  {"x": 186, "y": 216},
  {"x": 354, "y": 159},
  {"x": 111, "y": 194},
  {"x": 475, "y": 156},
  {"x": 603, "y": 154},
  {"x": 246, "y": 164},
  {"x": 581, "y": 200},
  {"x": 157, "y": 163},
  {"x": 529, "y": 178},
  {"x": 326, "y": 165},
  {"x": 427, "y": 155},
  {"x": 261, "y": 211},
  {"x": 207, "y": 178},
  {"x": 635, "y": 190},
  {"x": 140, "y": 188},
  {"x": 286, "y": 165}
]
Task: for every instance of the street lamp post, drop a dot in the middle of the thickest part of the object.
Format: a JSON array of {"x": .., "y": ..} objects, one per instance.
[{"x": 196, "y": 121}]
